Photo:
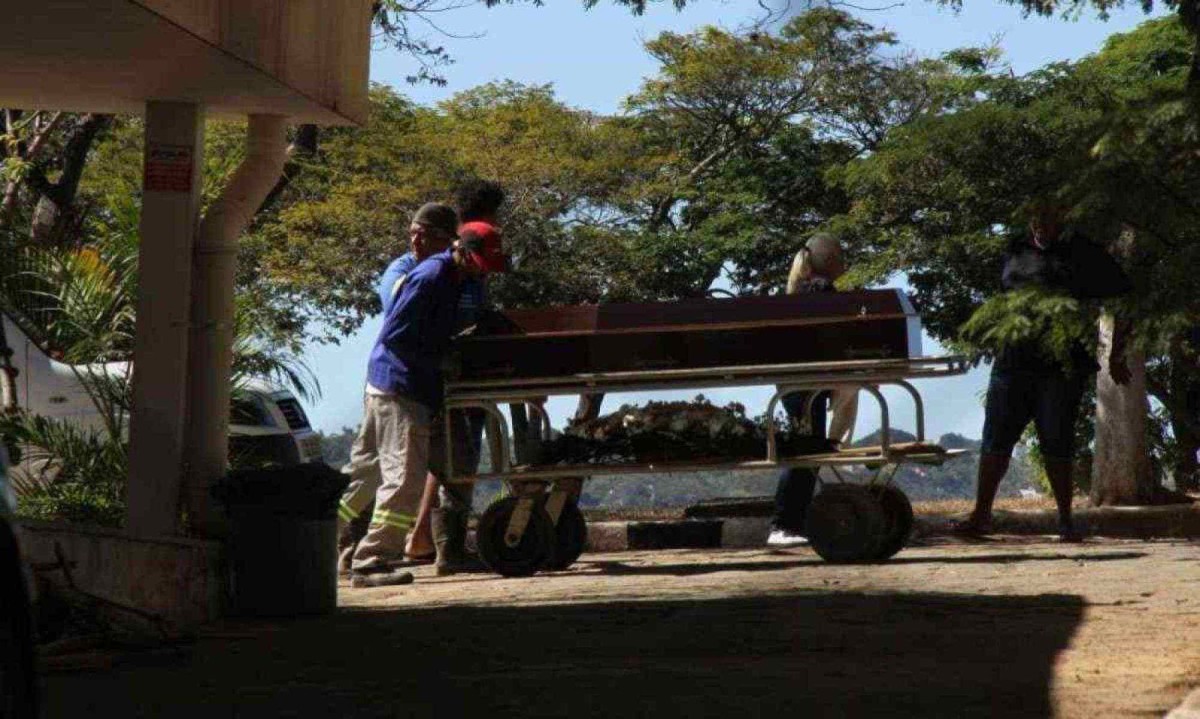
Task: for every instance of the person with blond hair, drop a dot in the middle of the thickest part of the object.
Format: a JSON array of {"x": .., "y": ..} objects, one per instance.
[{"x": 815, "y": 268}]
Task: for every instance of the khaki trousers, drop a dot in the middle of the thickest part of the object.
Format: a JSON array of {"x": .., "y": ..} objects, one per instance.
[{"x": 388, "y": 463}]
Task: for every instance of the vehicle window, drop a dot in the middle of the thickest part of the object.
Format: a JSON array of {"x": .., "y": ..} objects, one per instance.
[
  {"x": 293, "y": 413},
  {"x": 249, "y": 411}
]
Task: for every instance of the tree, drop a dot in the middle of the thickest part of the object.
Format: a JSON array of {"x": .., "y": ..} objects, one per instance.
[
  {"x": 940, "y": 198},
  {"x": 1186, "y": 11},
  {"x": 36, "y": 146}
]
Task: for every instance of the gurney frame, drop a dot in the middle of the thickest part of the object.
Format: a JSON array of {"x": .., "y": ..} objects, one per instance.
[{"x": 851, "y": 535}]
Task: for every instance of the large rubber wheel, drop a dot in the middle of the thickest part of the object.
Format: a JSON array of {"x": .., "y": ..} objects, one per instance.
[
  {"x": 570, "y": 537},
  {"x": 529, "y": 555},
  {"x": 18, "y": 684},
  {"x": 897, "y": 518},
  {"x": 845, "y": 524}
]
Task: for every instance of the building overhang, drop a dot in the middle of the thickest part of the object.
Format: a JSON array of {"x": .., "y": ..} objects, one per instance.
[{"x": 304, "y": 59}]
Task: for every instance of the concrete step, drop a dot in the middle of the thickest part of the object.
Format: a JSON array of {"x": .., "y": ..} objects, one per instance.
[
  {"x": 725, "y": 507},
  {"x": 671, "y": 534},
  {"x": 745, "y": 523}
]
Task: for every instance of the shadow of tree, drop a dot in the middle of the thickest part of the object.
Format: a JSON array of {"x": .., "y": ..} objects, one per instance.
[
  {"x": 686, "y": 569},
  {"x": 811, "y": 654}
]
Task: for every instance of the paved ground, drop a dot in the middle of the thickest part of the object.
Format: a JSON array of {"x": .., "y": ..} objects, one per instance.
[{"x": 1012, "y": 628}]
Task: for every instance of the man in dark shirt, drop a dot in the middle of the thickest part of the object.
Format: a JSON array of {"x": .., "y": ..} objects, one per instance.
[{"x": 1028, "y": 383}]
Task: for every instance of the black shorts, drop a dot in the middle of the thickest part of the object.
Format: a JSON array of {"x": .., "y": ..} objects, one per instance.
[{"x": 1049, "y": 398}]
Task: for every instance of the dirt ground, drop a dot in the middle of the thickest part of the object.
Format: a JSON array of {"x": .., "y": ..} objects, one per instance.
[{"x": 1015, "y": 627}]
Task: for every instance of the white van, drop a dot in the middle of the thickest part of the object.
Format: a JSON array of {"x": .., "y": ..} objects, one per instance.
[{"x": 266, "y": 423}]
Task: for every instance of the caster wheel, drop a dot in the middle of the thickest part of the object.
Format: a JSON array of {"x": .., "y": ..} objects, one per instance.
[
  {"x": 529, "y": 554},
  {"x": 845, "y": 524},
  {"x": 570, "y": 537},
  {"x": 897, "y": 520}
]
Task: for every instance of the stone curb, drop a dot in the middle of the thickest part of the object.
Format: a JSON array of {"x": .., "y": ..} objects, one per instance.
[
  {"x": 739, "y": 532},
  {"x": 744, "y": 532},
  {"x": 1179, "y": 521}
]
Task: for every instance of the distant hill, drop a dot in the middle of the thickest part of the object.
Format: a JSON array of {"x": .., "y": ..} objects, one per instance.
[
  {"x": 957, "y": 441},
  {"x": 876, "y": 438}
]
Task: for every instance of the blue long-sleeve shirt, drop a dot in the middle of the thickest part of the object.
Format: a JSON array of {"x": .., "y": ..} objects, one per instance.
[
  {"x": 416, "y": 332},
  {"x": 472, "y": 292},
  {"x": 395, "y": 272}
]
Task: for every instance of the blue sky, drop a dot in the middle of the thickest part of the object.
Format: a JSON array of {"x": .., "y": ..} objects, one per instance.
[{"x": 595, "y": 58}]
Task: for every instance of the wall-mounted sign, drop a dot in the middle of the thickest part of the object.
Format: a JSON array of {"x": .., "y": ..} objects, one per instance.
[{"x": 168, "y": 169}]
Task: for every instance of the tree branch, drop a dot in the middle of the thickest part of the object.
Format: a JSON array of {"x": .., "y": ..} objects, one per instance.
[
  {"x": 13, "y": 188},
  {"x": 305, "y": 146}
]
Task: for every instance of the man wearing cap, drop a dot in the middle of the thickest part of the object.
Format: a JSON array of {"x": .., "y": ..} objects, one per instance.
[
  {"x": 391, "y": 453},
  {"x": 442, "y": 533}
]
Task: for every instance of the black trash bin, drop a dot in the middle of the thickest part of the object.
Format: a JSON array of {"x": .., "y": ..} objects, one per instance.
[{"x": 282, "y": 545}]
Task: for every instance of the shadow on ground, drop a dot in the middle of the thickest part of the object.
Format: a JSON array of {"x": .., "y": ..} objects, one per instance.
[
  {"x": 816, "y": 654},
  {"x": 688, "y": 569}
]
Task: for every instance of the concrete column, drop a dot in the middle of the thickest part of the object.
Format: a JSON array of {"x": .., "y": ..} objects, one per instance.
[
  {"x": 170, "y": 209},
  {"x": 210, "y": 361}
]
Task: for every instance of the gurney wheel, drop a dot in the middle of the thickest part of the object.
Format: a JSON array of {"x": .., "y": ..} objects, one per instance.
[
  {"x": 529, "y": 555},
  {"x": 570, "y": 537},
  {"x": 898, "y": 520},
  {"x": 845, "y": 523}
]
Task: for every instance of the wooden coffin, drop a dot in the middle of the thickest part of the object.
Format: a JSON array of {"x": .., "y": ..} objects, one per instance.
[{"x": 691, "y": 334}]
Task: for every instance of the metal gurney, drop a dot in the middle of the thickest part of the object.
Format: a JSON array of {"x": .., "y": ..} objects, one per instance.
[{"x": 539, "y": 526}]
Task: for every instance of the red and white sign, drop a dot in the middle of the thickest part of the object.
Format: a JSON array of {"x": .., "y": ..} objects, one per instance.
[{"x": 168, "y": 169}]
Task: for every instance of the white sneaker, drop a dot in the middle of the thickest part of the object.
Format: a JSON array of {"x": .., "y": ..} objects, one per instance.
[{"x": 784, "y": 538}]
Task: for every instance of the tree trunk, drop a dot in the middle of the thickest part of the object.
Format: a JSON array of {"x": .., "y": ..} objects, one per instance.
[
  {"x": 588, "y": 407},
  {"x": 303, "y": 148},
  {"x": 57, "y": 217},
  {"x": 1121, "y": 471},
  {"x": 526, "y": 435}
]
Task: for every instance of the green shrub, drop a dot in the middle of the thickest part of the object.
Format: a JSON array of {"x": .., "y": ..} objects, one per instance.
[
  {"x": 1053, "y": 323},
  {"x": 74, "y": 502}
]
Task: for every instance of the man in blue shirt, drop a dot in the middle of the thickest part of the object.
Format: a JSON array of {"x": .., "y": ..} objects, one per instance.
[
  {"x": 404, "y": 392},
  {"x": 393, "y": 277},
  {"x": 478, "y": 206}
]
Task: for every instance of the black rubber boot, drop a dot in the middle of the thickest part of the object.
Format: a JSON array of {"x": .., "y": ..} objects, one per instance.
[
  {"x": 347, "y": 543},
  {"x": 450, "y": 537}
]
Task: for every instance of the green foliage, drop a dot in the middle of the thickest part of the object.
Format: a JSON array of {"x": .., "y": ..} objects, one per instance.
[
  {"x": 85, "y": 297},
  {"x": 74, "y": 502},
  {"x": 1110, "y": 136},
  {"x": 718, "y": 167},
  {"x": 1054, "y": 324},
  {"x": 402, "y": 25},
  {"x": 71, "y": 473}
]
